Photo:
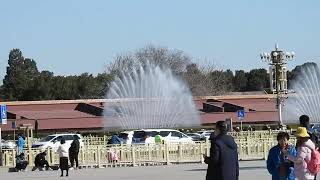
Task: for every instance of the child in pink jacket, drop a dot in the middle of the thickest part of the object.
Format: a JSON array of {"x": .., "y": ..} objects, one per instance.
[{"x": 304, "y": 149}]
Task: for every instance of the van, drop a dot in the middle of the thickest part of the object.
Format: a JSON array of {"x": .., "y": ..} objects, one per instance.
[{"x": 53, "y": 141}]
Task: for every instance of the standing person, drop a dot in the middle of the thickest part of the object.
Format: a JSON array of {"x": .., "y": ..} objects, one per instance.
[
  {"x": 223, "y": 161},
  {"x": 40, "y": 161},
  {"x": 304, "y": 149},
  {"x": 278, "y": 164},
  {"x": 20, "y": 144},
  {"x": 74, "y": 151},
  {"x": 158, "y": 138},
  {"x": 63, "y": 154},
  {"x": 305, "y": 122}
]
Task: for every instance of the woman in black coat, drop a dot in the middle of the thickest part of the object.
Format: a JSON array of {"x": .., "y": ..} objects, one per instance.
[
  {"x": 74, "y": 151},
  {"x": 223, "y": 161}
]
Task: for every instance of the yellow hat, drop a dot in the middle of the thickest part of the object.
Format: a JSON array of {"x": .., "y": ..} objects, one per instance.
[{"x": 302, "y": 132}]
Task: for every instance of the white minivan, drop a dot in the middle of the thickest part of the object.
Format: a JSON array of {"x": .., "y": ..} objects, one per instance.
[{"x": 53, "y": 141}]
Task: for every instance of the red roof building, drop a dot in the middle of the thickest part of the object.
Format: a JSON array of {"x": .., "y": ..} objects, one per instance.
[{"x": 87, "y": 115}]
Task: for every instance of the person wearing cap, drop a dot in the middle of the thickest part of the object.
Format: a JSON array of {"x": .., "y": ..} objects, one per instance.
[
  {"x": 278, "y": 164},
  {"x": 304, "y": 150},
  {"x": 304, "y": 121},
  {"x": 223, "y": 161}
]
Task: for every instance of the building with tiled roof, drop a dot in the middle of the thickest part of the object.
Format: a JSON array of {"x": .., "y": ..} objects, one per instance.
[{"x": 87, "y": 115}]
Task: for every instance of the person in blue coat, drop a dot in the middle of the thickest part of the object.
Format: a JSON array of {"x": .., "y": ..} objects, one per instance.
[
  {"x": 278, "y": 164},
  {"x": 20, "y": 144}
]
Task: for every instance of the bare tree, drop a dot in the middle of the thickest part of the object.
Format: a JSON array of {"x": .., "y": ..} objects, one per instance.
[
  {"x": 122, "y": 62},
  {"x": 206, "y": 79},
  {"x": 176, "y": 60},
  {"x": 203, "y": 80}
]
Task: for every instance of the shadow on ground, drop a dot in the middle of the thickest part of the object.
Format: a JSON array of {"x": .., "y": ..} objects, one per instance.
[{"x": 241, "y": 168}]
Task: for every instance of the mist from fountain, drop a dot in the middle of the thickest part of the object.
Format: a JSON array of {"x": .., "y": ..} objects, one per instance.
[
  {"x": 305, "y": 98},
  {"x": 149, "y": 97}
]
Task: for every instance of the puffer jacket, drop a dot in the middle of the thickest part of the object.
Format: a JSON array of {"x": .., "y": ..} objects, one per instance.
[
  {"x": 300, "y": 161},
  {"x": 274, "y": 161},
  {"x": 63, "y": 150}
]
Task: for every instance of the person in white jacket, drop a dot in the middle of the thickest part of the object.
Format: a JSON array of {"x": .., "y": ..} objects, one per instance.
[
  {"x": 304, "y": 149},
  {"x": 63, "y": 152}
]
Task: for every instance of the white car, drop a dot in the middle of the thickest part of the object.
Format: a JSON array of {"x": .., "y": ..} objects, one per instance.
[
  {"x": 196, "y": 136},
  {"x": 7, "y": 144},
  {"x": 146, "y": 136},
  {"x": 206, "y": 134},
  {"x": 53, "y": 141},
  {"x": 126, "y": 137}
]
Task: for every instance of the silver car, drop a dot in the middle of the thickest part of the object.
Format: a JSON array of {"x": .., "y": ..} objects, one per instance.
[{"x": 7, "y": 144}]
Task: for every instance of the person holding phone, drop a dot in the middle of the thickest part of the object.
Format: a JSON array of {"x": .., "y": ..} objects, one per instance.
[{"x": 278, "y": 164}]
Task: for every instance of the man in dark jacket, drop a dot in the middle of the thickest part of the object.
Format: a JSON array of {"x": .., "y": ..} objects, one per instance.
[
  {"x": 223, "y": 161},
  {"x": 74, "y": 151},
  {"x": 40, "y": 161}
]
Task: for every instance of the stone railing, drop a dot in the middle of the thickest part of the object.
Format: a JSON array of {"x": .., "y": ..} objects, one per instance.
[{"x": 139, "y": 155}]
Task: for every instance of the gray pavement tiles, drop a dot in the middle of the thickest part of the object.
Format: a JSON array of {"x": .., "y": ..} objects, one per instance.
[{"x": 249, "y": 170}]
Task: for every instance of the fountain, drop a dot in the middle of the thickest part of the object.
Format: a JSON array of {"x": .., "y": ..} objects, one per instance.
[
  {"x": 149, "y": 97},
  {"x": 305, "y": 98}
]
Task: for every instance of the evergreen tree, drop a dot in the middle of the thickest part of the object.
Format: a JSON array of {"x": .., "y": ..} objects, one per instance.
[
  {"x": 258, "y": 79},
  {"x": 240, "y": 81},
  {"x": 19, "y": 78}
]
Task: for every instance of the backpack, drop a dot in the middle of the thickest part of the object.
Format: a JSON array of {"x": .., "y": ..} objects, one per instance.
[{"x": 314, "y": 164}]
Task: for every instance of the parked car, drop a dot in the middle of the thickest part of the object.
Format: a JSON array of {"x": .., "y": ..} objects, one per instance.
[
  {"x": 126, "y": 137},
  {"x": 146, "y": 136},
  {"x": 53, "y": 141},
  {"x": 8, "y": 144},
  {"x": 205, "y": 134},
  {"x": 195, "y": 136},
  {"x": 316, "y": 127}
]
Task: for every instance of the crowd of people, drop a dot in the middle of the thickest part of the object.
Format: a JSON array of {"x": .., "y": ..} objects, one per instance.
[
  {"x": 302, "y": 161},
  {"x": 285, "y": 161},
  {"x": 65, "y": 152}
]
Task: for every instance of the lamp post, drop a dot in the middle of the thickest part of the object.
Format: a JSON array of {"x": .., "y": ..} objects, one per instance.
[{"x": 277, "y": 60}]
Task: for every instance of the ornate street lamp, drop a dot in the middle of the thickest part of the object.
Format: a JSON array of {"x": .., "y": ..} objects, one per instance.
[{"x": 277, "y": 60}]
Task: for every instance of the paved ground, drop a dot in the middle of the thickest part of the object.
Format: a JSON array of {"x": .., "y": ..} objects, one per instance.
[{"x": 249, "y": 170}]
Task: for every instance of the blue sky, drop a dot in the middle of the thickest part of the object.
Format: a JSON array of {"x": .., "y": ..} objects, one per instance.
[{"x": 74, "y": 36}]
